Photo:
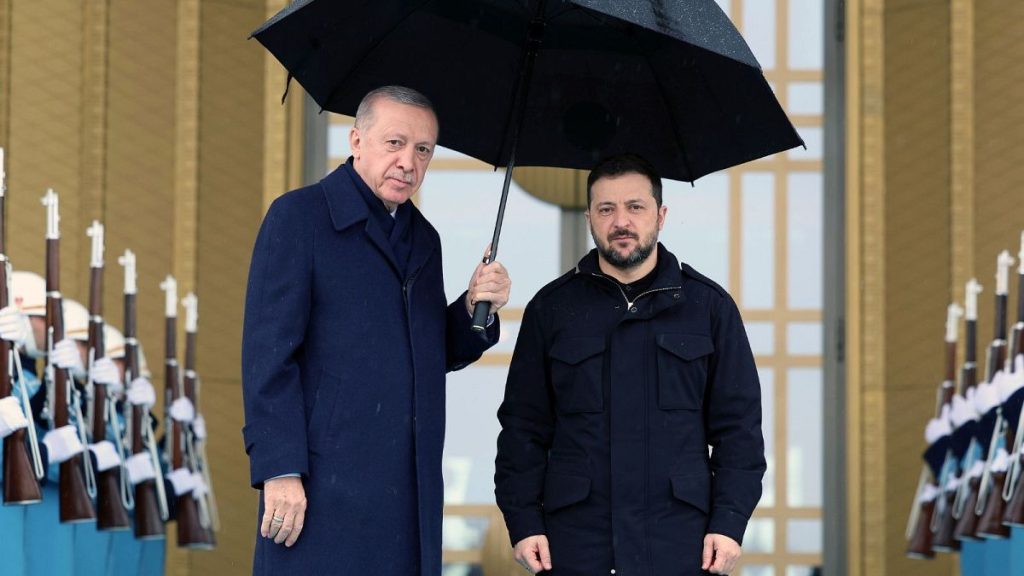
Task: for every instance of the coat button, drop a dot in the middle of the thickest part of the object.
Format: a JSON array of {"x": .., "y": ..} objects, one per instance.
[
  {"x": 676, "y": 295},
  {"x": 633, "y": 309}
]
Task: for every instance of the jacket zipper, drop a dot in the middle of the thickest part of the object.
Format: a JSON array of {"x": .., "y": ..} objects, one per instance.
[{"x": 639, "y": 296}]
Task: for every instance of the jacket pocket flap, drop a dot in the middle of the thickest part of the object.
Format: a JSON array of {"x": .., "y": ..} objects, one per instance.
[
  {"x": 576, "y": 350},
  {"x": 686, "y": 346},
  {"x": 561, "y": 490},
  {"x": 694, "y": 489}
]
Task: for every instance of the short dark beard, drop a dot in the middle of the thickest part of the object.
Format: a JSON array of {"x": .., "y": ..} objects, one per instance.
[{"x": 631, "y": 260}]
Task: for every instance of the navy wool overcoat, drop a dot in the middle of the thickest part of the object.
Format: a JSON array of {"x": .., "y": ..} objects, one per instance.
[{"x": 344, "y": 358}]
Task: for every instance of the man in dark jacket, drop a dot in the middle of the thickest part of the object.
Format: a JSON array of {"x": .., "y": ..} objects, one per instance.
[
  {"x": 346, "y": 342},
  {"x": 628, "y": 369}
]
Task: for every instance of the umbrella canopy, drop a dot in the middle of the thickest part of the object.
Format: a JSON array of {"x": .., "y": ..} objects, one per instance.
[{"x": 672, "y": 80}]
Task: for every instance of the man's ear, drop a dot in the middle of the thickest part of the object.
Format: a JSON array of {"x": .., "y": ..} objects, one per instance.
[
  {"x": 355, "y": 142},
  {"x": 662, "y": 213}
]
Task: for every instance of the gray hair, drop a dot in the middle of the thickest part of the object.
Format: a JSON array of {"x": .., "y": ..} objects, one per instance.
[{"x": 399, "y": 94}]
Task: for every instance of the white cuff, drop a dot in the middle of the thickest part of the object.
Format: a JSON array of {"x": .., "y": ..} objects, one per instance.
[
  {"x": 62, "y": 444},
  {"x": 106, "y": 455},
  {"x": 140, "y": 468},
  {"x": 11, "y": 416},
  {"x": 181, "y": 479}
]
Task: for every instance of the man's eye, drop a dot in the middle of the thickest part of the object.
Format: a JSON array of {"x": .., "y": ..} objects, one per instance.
[{"x": 423, "y": 150}]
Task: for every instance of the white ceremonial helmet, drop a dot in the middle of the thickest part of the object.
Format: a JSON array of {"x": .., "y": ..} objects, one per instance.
[
  {"x": 113, "y": 339},
  {"x": 76, "y": 321},
  {"x": 28, "y": 294}
]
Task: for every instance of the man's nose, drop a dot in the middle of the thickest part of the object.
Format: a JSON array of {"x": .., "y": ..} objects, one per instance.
[
  {"x": 620, "y": 220},
  {"x": 406, "y": 158}
]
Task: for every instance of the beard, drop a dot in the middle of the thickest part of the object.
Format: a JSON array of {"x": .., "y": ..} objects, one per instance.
[{"x": 635, "y": 257}]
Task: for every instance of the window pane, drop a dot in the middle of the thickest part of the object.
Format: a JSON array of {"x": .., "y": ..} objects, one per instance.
[
  {"x": 697, "y": 225},
  {"x": 758, "y": 571},
  {"x": 812, "y": 136},
  {"x": 803, "y": 536},
  {"x": 762, "y": 337},
  {"x": 804, "y": 227},
  {"x": 759, "y": 30},
  {"x": 806, "y": 40},
  {"x": 804, "y": 338},
  {"x": 803, "y": 571},
  {"x": 760, "y": 536},
  {"x": 337, "y": 143},
  {"x": 461, "y": 204},
  {"x": 767, "y": 377},
  {"x": 469, "y": 449},
  {"x": 806, "y": 98},
  {"x": 803, "y": 437},
  {"x": 758, "y": 244}
]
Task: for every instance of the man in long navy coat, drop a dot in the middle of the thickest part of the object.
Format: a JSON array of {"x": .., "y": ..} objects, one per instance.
[
  {"x": 346, "y": 343},
  {"x": 626, "y": 371}
]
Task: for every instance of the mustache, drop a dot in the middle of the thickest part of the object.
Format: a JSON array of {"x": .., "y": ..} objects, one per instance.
[
  {"x": 618, "y": 234},
  {"x": 399, "y": 175}
]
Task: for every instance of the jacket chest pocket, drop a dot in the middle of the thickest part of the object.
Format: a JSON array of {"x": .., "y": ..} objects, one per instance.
[
  {"x": 682, "y": 370},
  {"x": 576, "y": 365}
]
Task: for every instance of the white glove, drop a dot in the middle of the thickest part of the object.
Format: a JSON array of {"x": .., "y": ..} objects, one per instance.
[
  {"x": 182, "y": 410},
  {"x": 63, "y": 443},
  {"x": 938, "y": 427},
  {"x": 105, "y": 372},
  {"x": 65, "y": 355},
  {"x": 11, "y": 416},
  {"x": 199, "y": 488},
  {"x": 106, "y": 455},
  {"x": 13, "y": 325},
  {"x": 140, "y": 468},
  {"x": 963, "y": 409},
  {"x": 199, "y": 427},
  {"x": 1001, "y": 462},
  {"x": 181, "y": 479},
  {"x": 141, "y": 393},
  {"x": 987, "y": 396}
]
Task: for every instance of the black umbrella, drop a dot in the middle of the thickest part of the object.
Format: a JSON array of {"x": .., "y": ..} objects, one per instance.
[{"x": 557, "y": 83}]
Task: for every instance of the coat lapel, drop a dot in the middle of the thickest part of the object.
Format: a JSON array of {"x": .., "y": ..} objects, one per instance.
[{"x": 347, "y": 209}]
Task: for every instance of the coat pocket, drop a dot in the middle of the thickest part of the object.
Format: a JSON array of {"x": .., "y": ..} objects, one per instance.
[
  {"x": 563, "y": 490},
  {"x": 322, "y": 411},
  {"x": 682, "y": 370},
  {"x": 694, "y": 489},
  {"x": 576, "y": 365}
]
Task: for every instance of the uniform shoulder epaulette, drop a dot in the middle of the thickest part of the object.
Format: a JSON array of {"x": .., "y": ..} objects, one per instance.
[{"x": 689, "y": 272}]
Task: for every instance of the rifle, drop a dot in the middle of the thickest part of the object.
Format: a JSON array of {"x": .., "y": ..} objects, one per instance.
[
  {"x": 920, "y": 526},
  {"x": 1012, "y": 492},
  {"x": 963, "y": 518},
  {"x": 196, "y": 432},
  {"x": 112, "y": 514},
  {"x": 150, "y": 500},
  {"x": 21, "y": 474},
  {"x": 990, "y": 510},
  {"x": 75, "y": 502},
  {"x": 181, "y": 413}
]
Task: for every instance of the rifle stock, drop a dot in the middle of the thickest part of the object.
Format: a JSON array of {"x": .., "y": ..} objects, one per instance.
[
  {"x": 20, "y": 485},
  {"x": 110, "y": 511},
  {"x": 196, "y": 463},
  {"x": 75, "y": 503},
  {"x": 149, "y": 523},
  {"x": 920, "y": 541}
]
